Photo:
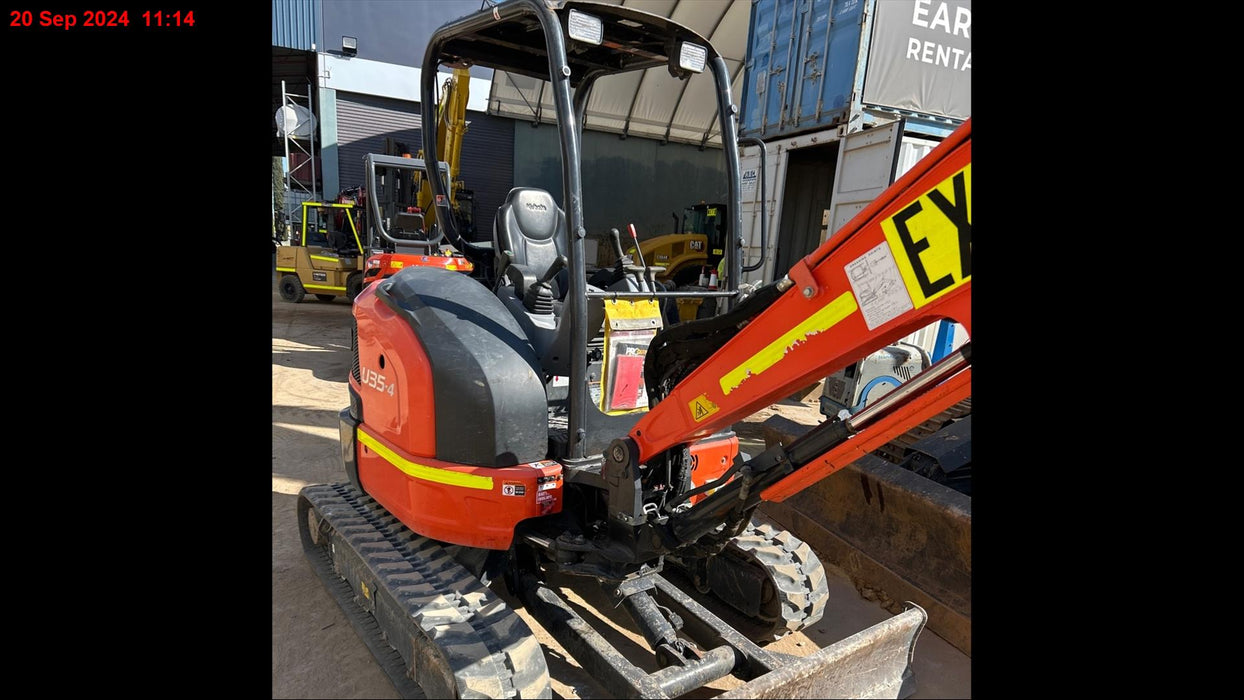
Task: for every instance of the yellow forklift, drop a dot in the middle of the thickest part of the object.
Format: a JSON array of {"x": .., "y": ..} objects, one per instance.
[{"x": 328, "y": 257}]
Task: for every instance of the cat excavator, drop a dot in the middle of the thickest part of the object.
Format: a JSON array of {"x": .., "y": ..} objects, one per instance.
[{"x": 545, "y": 427}]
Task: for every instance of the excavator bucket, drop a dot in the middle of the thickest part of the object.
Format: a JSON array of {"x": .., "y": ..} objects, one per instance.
[{"x": 874, "y": 663}]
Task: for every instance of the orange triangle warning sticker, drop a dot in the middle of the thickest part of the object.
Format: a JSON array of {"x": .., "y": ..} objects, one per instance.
[{"x": 701, "y": 407}]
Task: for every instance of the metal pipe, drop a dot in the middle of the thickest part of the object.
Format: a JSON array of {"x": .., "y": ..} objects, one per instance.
[
  {"x": 677, "y": 680},
  {"x": 289, "y": 218},
  {"x": 659, "y": 295},
  {"x": 764, "y": 220},
  {"x": 728, "y": 116},
  {"x": 708, "y": 630},
  {"x": 311, "y": 140},
  {"x": 581, "y": 97},
  {"x": 951, "y": 364},
  {"x": 594, "y": 653},
  {"x": 652, "y": 624},
  {"x": 709, "y": 132}
]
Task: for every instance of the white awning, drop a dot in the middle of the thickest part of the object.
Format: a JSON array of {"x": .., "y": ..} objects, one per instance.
[{"x": 649, "y": 103}]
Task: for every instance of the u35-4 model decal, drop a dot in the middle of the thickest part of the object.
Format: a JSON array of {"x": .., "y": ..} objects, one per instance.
[{"x": 375, "y": 380}]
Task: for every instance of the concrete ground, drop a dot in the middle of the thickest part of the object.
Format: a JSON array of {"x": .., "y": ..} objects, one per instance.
[{"x": 315, "y": 651}]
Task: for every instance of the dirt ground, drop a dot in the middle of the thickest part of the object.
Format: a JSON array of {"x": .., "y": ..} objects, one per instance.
[{"x": 315, "y": 651}]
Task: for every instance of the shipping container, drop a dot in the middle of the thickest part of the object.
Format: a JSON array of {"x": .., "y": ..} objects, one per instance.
[
  {"x": 820, "y": 64},
  {"x": 296, "y": 24},
  {"x": 813, "y": 185},
  {"x": 846, "y": 96}
]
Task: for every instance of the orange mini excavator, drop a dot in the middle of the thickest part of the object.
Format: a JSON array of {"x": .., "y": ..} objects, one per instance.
[{"x": 498, "y": 436}]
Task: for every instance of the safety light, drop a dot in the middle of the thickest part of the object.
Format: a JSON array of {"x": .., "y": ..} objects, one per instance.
[
  {"x": 585, "y": 28},
  {"x": 692, "y": 57}
]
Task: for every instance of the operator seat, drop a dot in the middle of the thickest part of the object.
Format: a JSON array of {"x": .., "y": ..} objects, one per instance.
[
  {"x": 529, "y": 236},
  {"x": 342, "y": 243}
]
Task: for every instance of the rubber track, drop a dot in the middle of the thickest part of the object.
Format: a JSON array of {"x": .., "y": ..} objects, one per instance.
[
  {"x": 800, "y": 585},
  {"x": 457, "y": 627}
]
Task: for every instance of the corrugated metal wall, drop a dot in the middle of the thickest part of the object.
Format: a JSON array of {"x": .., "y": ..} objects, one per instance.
[
  {"x": 364, "y": 121},
  {"x": 488, "y": 166},
  {"x": 296, "y": 24}
]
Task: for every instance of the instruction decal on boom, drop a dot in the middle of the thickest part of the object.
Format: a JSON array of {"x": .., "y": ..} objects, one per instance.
[{"x": 932, "y": 238}]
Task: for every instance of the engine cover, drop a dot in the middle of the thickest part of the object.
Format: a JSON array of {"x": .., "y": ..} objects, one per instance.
[{"x": 444, "y": 371}]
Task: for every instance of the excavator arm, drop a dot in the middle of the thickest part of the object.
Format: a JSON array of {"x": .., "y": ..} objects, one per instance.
[{"x": 902, "y": 263}]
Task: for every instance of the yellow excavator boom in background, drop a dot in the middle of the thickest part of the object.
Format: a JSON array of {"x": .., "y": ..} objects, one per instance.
[{"x": 451, "y": 126}]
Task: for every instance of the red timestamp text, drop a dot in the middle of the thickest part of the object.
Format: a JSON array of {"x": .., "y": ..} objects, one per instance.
[{"x": 100, "y": 18}]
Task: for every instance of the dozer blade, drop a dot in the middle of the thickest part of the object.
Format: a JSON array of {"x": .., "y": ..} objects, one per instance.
[{"x": 874, "y": 663}]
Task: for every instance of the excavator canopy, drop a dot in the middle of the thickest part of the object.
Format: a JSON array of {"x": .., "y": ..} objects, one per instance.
[{"x": 629, "y": 40}]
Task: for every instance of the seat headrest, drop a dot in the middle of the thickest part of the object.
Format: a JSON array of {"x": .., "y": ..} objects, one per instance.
[{"x": 535, "y": 212}]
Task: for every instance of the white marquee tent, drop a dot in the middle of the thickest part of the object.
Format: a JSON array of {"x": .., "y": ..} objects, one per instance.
[{"x": 649, "y": 103}]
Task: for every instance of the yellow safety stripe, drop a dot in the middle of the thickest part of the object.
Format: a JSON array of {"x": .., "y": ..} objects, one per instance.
[
  {"x": 321, "y": 257},
  {"x": 320, "y": 286},
  {"x": 827, "y": 317},
  {"x": 285, "y": 269},
  {"x": 422, "y": 471}
]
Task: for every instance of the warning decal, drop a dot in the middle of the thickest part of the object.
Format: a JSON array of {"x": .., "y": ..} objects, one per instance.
[
  {"x": 932, "y": 238},
  {"x": 511, "y": 488},
  {"x": 702, "y": 408},
  {"x": 878, "y": 286}
]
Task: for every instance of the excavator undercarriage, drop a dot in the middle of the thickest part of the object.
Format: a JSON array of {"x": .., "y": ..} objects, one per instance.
[{"x": 437, "y": 630}]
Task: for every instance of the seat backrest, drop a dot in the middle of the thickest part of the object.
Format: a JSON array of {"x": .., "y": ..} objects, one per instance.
[
  {"x": 409, "y": 223},
  {"x": 530, "y": 230}
]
